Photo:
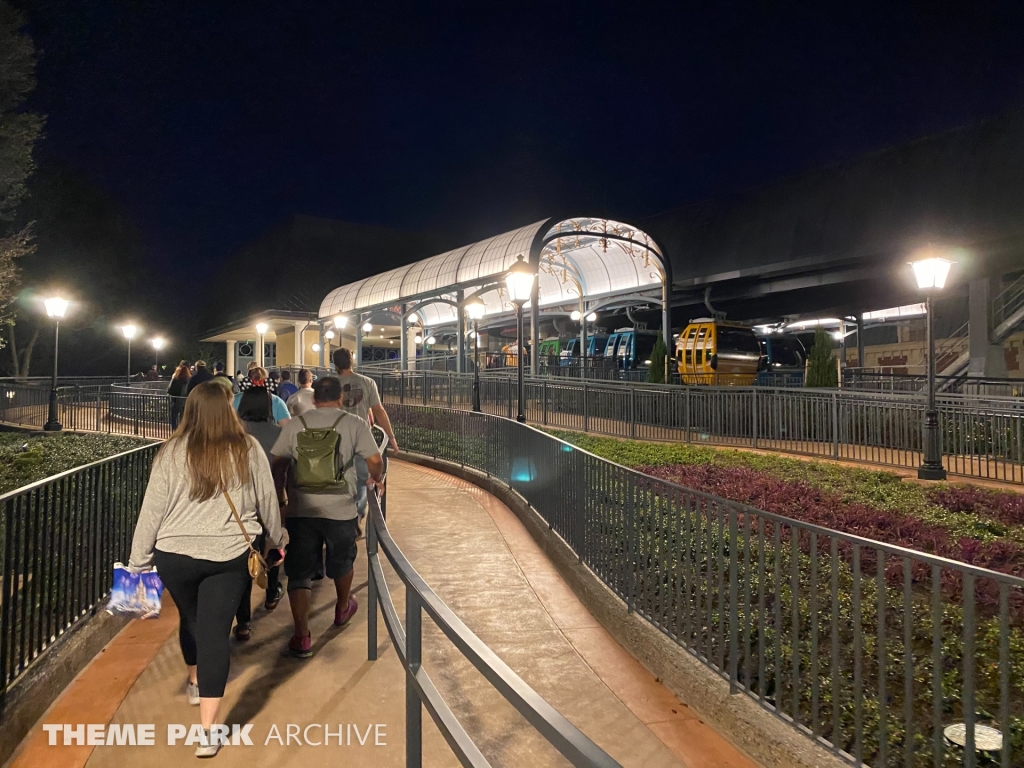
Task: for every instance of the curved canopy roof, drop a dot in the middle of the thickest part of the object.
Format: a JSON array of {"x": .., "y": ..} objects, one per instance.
[{"x": 603, "y": 258}]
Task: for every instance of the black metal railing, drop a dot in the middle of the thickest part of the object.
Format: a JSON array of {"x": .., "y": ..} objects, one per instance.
[
  {"x": 59, "y": 538},
  {"x": 981, "y": 437},
  {"x": 421, "y": 692},
  {"x": 871, "y": 650}
]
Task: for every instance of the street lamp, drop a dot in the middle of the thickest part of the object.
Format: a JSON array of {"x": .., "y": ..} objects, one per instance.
[
  {"x": 328, "y": 335},
  {"x": 55, "y": 308},
  {"x": 340, "y": 322},
  {"x": 475, "y": 309},
  {"x": 519, "y": 280},
  {"x": 261, "y": 329},
  {"x": 315, "y": 347},
  {"x": 158, "y": 344},
  {"x": 931, "y": 276},
  {"x": 129, "y": 332}
]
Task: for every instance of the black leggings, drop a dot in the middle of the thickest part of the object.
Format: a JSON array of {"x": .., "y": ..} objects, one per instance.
[{"x": 207, "y": 595}]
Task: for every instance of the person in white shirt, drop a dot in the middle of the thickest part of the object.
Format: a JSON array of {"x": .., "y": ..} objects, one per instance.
[{"x": 301, "y": 401}]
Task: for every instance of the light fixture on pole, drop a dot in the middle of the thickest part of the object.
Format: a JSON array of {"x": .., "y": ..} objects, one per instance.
[
  {"x": 158, "y": 344},
  {"x": 341, "y": 322},
  {"x": 431, "y": 340},
  {"x": 328, "y": 336},
  {"x": 129, "y": 332},
  {"x": 367, "y": 327},
  {"x": 519, "y": 280},
  {"x": 315, "y": 347},
  {"x": 261, "y": 329},
  {"x": 55, "y": 308},
  {"x": 931, "y": 274},
  {"x": 475, "y": 309}
]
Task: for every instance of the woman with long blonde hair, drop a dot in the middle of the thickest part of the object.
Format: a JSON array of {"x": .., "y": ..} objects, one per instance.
[{"x": 189, "y": 531}]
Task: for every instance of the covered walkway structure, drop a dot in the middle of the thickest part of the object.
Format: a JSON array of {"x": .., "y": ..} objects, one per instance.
[
  {"x": 582, "y": 264},
  {"x": 479, "y": 558}
]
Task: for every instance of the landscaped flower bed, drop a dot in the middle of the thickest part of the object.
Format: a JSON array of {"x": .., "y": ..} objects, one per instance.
[
  {"x": 961, "y": 522},
  {"x": 24, "y": 459}
]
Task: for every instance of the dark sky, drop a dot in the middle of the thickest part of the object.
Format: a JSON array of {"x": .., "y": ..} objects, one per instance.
[{"x": 213, "y": 121}]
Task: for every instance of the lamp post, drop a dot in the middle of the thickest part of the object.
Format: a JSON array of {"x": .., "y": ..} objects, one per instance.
[
  {"x": 519, "y": 280},
  {"x": 158, "y": 344},
  {"x": 931, "y": 276},
  {"x": 475, "y": 309},
  {"x": 55, "y": 308},
  {"x": 577, "y": 316},
  {"x": 261, "y": 329},
  {"x": 328, "y": 335},
  {"x": 129, "y": 332}
]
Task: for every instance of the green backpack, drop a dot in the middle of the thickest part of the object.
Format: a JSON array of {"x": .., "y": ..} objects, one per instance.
[{"x": 317, "y": 459}]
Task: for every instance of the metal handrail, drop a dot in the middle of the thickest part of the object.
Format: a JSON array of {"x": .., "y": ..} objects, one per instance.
[
  {"x": 781, "y": 609},
  {"x": 576, "y": 747}
]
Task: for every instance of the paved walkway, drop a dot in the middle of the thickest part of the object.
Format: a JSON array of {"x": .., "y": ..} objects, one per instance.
[{"x": 484, "y": 564}]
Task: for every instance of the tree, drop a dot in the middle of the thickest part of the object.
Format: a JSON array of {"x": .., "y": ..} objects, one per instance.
[
  {"x": 821, "y": 365},
  {"x": 19, "y": 130},
  {"x": 656, "y": 370}
]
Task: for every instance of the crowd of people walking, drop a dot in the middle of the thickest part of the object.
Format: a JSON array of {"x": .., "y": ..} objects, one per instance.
[{"x": 259, "y": 475}]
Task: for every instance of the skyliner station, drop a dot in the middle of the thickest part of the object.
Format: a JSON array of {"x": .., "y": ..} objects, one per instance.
[{"x": 829, "y": 245}]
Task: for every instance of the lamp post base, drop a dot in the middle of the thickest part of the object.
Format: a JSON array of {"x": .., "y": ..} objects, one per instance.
[
  {"x": 521, "y": 419},
  {"x": 476, "y": 397},
  {"x": 931, "y": 472},
  {"x": 52, "y": 425}
]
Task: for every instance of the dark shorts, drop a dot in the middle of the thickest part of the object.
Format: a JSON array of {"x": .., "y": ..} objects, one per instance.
[{"x": 307, "y": 537}]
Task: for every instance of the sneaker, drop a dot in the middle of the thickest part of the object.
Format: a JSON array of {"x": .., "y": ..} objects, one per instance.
[
  {"x": 301, "y": 647},
  {"x": 192, "y": 691},
  {"x": 272, "y": 600},
  {"x": 344, "y": 616},
  {"x": 209, "y": 749}
]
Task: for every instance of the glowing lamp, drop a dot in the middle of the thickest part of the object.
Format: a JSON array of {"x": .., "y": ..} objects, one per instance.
[
  {"x": 931, "y": 273},
  {"x": 56, "y": 307},
  {"x": 519, "y": 280},
  {"x": 475, "y": 308}
]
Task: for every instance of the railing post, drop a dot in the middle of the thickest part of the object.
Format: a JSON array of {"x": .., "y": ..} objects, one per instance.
[
  {"x": 686, "y": 411},
  {"x": 586, "y": 417},
  {"x": 835, "y": 425},
  {"x": 413, "y": 706},
  {"x": 632, "y": 412},
  {"x": 371, "y": 587},
  {"x": 544, "y": 402},
  {"x": 508, "y": 382},
  {"x": 753, "y": 410},
  {"x": 423, "y": 375},
  {"x": 451, "y": 386}
]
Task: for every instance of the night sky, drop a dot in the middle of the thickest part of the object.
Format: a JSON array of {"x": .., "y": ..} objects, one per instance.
[{"x": 214, "y": 121}]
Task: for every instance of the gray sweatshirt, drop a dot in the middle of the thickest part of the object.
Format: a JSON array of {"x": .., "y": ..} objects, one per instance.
[{"x": 204, "y": 530}]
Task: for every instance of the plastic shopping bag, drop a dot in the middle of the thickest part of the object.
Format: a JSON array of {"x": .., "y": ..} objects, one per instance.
[{"x": 135, "y": 594}]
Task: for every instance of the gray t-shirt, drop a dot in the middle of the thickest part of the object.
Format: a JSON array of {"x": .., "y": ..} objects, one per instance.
[
  {"x": 358, "y": 395},
  {"x": 356, "y": 439}
]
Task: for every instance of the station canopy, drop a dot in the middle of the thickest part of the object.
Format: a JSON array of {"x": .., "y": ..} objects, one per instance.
[{"x": 607, "y": 260}]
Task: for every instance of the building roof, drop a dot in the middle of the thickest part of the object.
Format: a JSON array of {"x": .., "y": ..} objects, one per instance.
[{"x": 607, "y": 258}]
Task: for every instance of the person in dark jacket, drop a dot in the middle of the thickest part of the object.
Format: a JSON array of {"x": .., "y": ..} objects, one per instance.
[
  {"x": 201, "y": 376},
  {"x": 177, "y": 390},
  {"x": 256, "y": 412},
  {"x": 219, "y": 373}
]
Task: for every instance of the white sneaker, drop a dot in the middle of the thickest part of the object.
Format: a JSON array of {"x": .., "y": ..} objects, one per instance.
[
  {"x": 209, "y": 749},
  {"x": 192, "y": 691}
]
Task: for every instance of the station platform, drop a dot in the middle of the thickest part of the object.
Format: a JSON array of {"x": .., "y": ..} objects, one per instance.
[{"x": 483, "y": 563}]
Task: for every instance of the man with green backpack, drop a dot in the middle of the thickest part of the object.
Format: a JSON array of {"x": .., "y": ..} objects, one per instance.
[{"x": 314, "y": 465}]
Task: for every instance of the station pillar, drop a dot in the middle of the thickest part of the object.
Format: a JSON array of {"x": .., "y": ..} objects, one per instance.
[{"x": 987, "y": 359}]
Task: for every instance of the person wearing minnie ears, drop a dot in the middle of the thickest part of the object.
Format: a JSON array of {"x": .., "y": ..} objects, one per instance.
[
  {"x": 322, "y": 512},
  {"x": 210, "y": 494}
]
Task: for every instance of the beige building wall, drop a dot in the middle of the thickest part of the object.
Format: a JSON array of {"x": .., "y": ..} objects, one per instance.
[
  {"x": 286, "y": 347},
  {"x": 909, "y": 356}
]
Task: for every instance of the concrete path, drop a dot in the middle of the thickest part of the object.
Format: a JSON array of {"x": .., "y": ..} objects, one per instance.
[{"x": 483, "y": 563}]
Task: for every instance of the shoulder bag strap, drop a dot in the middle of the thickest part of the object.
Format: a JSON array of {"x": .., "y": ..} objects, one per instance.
[
  {"x": 304, "y": 425},
  {"x": 238, "y": 519}
]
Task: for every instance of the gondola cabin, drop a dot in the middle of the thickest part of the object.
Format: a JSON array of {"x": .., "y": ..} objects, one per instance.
[{"x": 714, "y": 352}]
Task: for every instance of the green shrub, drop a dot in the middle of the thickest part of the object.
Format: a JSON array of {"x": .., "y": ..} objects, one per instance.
[
  {"x": 821, "y": 368},
  {"x": 24, "y": 459}
]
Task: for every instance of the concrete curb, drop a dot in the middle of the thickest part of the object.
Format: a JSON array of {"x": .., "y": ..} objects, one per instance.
[
  {"x": 50, "y": 674},
  {"x": 737, "y": 718}
]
